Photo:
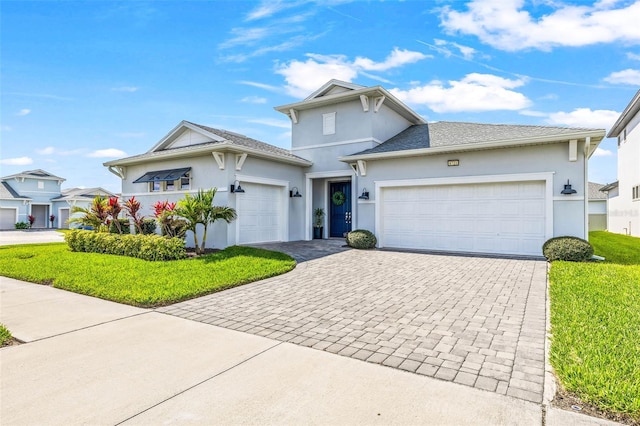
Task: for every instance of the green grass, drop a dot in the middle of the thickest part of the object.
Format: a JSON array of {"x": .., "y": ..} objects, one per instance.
[
  {"x": 595, "y": 323},
  {"x": 5, "y": 335},
  {"x": 138, "y": 282}
]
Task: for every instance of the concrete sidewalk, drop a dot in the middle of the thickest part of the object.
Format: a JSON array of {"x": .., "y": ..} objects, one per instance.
[{"x": 88, "y": 361}]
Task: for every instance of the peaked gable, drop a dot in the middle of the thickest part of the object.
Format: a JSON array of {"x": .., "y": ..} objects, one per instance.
[
  {"x": 333, "y": 87},
  {"x": 34, "y": 174}
]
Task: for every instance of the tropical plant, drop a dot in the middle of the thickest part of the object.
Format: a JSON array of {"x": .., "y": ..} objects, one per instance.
[
  {"x": 199, "y": 209},
  {"x": 132, "y": 208},
  {"x": 318, "y": 215},
  {"x": 31, "y": 218},
  {"x": 22, "y": 225},
  {"x": 52, "y": 218},
  {"x": 95, "y": 216},
  {"x": 170, "y": 225},
  {"x": 113, "y": 210}
]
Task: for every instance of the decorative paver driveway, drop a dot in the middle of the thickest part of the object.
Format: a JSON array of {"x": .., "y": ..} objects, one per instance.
[{"x": 478, "y": 321}]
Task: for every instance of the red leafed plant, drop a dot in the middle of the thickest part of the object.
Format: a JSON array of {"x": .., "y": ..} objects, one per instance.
[
  {"x": 132, "y": 207},
  {"x": 171, "y": 226},
  {"x": 31, "y": 218},
  {"x": 114, "y": 209}
]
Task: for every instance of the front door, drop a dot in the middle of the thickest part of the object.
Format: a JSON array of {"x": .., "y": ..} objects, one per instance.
[{"x": 340, "y": 208}]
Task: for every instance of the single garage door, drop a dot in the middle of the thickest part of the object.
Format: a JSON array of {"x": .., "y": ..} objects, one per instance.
[
  {"x": 64, "y": 217},
  {"x": 7, "y": 218},
  {"x": 506, "y": 217},
  {"x": 260, "y": 213}
]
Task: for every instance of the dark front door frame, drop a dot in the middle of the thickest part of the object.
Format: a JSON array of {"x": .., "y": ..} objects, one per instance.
[{"x": 340, "y": 216}]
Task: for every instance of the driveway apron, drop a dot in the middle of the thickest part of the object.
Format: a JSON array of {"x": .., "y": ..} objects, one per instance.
[{"x": 477, "y": 321}]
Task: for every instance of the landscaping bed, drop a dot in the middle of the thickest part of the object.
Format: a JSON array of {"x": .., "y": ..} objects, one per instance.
[
  {"x": 595, "y": 326},
  {"x": 138, "y": 282}
]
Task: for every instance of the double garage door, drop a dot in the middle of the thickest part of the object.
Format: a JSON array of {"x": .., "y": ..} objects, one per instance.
[
  {"x": 505, "y": 217},
  {"x": 260, "y": 213}
]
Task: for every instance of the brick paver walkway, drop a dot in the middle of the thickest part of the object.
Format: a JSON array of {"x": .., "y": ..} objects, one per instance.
[{"x": 476, "y": 321}]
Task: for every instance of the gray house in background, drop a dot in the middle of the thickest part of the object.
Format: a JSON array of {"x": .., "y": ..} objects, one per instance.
[
  {"x": 38, "y": 193},
  {"x": 372, "y": 163},
  {"x": 597, "y": 207}
]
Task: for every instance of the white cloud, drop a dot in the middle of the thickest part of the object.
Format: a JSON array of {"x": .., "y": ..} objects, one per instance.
[
  {"x": 466, "y": 51},
  {"x": 254, "y": 100},
  {"x": 128, "y": 89},
  {"x": 628, "y": 76},
  {"x": 46, "y": 151},
  {"x": 475, "y": 92},
  {"x": 304, "y": 77},
  {"x": 505, "y": 25},
  {"x": 283, "y": 124},
  {"x": 105, "y": 153},
  {"x": 269, "y": 8},
  {"x": 18, "y": 161},
  {"x": 633, "y": 56},
  {"x": 396, "y": 58},
  {"x": 599, "y": 152},
  {"x": 585, "y": 117},
  {"x": 268, "y": 87},
  {"x": 23, "y": 112}
]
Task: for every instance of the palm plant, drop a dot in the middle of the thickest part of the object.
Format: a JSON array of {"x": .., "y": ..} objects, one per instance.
[
  {"x": 95, "y": 216},
  {"x": 199, "y": 209}
]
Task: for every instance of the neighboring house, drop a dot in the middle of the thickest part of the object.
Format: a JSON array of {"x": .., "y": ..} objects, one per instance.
[
  {"x": 38, "y": 193},
  {"x": 75, "y": 197},
  {"x": 372, "y": 163},
  {"x": 624, "y": 195},
  {"x": 597, "y": 207}
]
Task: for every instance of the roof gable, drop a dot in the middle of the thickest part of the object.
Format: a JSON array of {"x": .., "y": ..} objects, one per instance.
[
  {"x": 8, "y": 193},
  {"x": 333, "y": 87},
  {"x": 34, "y": 174},
  {"x": 627, "y": 115}
]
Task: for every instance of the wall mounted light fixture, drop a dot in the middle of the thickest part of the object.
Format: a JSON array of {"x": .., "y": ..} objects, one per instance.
[
  {"x": 236, "y": 188},
  {"x": 365, "y": 194},
  {"x": 567, "y": 189},
  {"x": 294, "y": 193}
]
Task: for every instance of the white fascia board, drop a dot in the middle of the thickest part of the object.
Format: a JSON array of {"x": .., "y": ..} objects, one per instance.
[
  {"x": 510, "y": 143},
  {"x": 226, "y": 147},
  {"x": 376, "y": 92},
  {"x": 169, "y": 137}
]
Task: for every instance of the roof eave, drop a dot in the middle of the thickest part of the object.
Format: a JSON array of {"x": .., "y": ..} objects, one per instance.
[
  {"x": 595, "y": 135},
  {"x": 400, "y": 107},
  {"x": 225, "y": 146},
  {"x": 629, "y": 112}
]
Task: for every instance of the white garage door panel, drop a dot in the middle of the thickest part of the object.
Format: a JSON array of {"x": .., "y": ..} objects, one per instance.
[
  {"x": 7, "y": 218},
  {"x": 488, "y": 218},
  {"x": 260, "y": 216}
]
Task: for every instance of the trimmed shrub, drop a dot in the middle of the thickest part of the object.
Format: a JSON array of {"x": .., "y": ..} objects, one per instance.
[
  {"x": 148, "y": 226},
  {"x": 361, "y": 239},
  {"x": 568, "y": 248},
  {"x": 145, "y": 247},
  {"x": 22, "y": 225},
  {"x": 124, "y": 225}
]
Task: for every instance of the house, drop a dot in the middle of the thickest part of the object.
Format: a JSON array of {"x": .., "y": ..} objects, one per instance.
[
  {"x": 38, "y": 193},
  {"x": 624, "y": 194},
  {"x": 597, "y": 207},
  {"x": 373, "y": 163}
]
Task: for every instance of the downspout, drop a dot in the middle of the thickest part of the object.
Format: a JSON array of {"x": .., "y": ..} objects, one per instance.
[{"x": 587, "y": 148}]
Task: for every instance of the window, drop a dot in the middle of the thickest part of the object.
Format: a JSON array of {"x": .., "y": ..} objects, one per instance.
[
  {"x": 185, "y": 182},
  {"x": 329, "y": 123},
  {"x": 625, "y": 135},
  {"x": 635, "y": 193},
  {"x": 155, "y": 186},
  {"x": 40, "y": 184},
  {"x": 170, "y": 185}
]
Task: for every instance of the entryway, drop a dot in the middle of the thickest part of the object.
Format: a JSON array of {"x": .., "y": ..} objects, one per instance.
[{"x": 340, "y": 213}]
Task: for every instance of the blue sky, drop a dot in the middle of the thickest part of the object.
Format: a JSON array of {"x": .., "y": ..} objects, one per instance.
[{"x": 87, "y": 82}]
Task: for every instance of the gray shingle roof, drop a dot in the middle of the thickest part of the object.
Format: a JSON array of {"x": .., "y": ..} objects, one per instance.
[
  {"x": 595, "y": 193},
  {"x": 230, "y": 138},
  {"x": 449, "y": 133},
  {"x": 7, "y": 192},
  {"x": 75, "y": 193}
]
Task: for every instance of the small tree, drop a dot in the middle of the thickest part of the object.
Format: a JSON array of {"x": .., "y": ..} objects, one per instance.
[
  {"x": 95, "y": 216},
  {"x": 199, "y": 209},
  {"x": 113, "y": 210},
  {"x": 32, "y": 219},
  {"x": 170, "y": 225},
  {"x": 52, "y": 218},
  {"x": 132, "y": 208}
]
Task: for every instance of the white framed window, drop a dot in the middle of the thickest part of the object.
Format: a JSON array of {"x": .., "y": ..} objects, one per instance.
[
  {"x": 329, "y": 123},
  {"x": 155, "y": 186},
  {"x": 185, "y": 182},
  {"x": 635, "y": 193},
  {"x": 170, "y": 185},
  {"x": 40, "y": 184}
]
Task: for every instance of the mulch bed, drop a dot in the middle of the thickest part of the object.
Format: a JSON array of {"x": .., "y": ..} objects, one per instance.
[
  {"x": 191, "y": 252},
  {"x": 570, "y": 402}
]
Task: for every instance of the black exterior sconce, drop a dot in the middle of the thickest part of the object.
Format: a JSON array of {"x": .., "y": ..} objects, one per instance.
[
  {"x": 294, "y": 194},
  {"x": 236, "y": 189},
  {"x": 365, "y": 194},
  {"x": 568, "y": 190}
]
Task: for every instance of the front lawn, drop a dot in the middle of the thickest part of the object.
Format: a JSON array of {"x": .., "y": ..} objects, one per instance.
[
  {"x": 595, "y": 323},
  {"x": 138, "y": 282}
]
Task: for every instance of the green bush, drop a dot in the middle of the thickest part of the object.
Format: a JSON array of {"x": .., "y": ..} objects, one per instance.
[
  {"x": 146, "y": 247},
  {"x": 22, "y": 225},
  {"x": 148, "y": 226},
  {"x": 361, "y": 239},
  {"x": 568, "y": 248},
  {"x": 124, "y": 226}
]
